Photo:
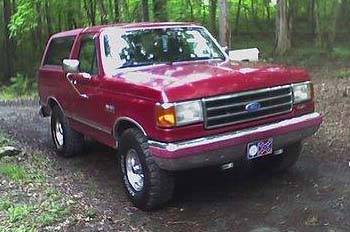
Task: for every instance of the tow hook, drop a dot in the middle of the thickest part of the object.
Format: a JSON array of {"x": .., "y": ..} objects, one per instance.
[{"x": 227, "y": 166}]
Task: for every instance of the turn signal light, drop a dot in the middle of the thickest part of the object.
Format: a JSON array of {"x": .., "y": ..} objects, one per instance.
[{"x": 166, "y": 117}]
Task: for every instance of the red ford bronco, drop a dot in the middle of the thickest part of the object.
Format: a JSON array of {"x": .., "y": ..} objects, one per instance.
[{"x": 168, "y": 98}]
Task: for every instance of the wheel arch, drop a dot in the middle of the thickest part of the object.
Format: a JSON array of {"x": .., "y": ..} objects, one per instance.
[
  {"x": 124, "y": 123},
  {"x": 52, "y": 102}
]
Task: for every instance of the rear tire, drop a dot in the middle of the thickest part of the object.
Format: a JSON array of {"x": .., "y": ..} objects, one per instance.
[
  {"x": 280, "y": 163},
  {"x": 147, "y": 186},
  {"x": 67, "y": 141}
]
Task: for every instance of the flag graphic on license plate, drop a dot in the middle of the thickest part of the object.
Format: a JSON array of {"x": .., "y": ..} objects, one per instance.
[
  {"x": 260, "y": 148},
  {"x": 265, "y": 147}
]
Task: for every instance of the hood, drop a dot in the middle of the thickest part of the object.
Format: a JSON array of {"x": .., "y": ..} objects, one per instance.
[{"x": 180, "y": 82}]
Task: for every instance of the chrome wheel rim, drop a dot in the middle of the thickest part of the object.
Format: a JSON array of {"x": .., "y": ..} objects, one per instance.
[
  {"x": 59, "y": 134},
  {"x": 134, "y": 171}
]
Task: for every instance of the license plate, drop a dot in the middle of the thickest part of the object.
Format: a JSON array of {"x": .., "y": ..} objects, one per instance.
[{"x": 260, "y": 148}]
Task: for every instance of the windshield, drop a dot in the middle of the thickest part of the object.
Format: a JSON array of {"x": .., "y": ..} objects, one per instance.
[{"x": 124, "y": 49}]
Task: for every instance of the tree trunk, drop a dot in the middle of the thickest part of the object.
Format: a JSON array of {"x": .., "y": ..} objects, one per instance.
[
  {"x": 48, "y": 17},
  {"x": 223, "y": 23},
  {"x": 126, "y": 10},
  {"x": 189, "y": 2},
  {"x": 312, "y": 17},
  {"x": 333, "y": 25},
  {"x": 160, "y": 10},
  {"x": 104, "y": 14},
  {"x": 90, "y": 8},
  {"x": 268, "y": 13},
  {"x": 145, "y": 11},
  {"x": 326, "y": 22},
  {"x": 8, "y": 43},
  {"x": 116, "y": 11},
  {"x": 292, "y": 14},
  {"x": 238, "y": 16},
  {"x": 212, "y": 16},
  {"x": 254, "y": 12},
  {"x": 283, "y": 40}
]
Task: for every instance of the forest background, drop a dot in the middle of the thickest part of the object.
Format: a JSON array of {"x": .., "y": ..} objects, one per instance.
[{"x": 297, "y": 32}]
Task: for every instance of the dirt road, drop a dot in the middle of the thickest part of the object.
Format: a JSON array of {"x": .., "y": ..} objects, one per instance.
[{"x": 313, "y": 196}]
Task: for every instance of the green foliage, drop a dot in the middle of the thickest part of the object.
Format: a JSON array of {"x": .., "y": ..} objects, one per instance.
[
  {"x": 5, "y": 204},
  {"x": 18, "y": 212},
  {"x": 31, "y": 216},
  {"x": 322, "y": 24},
  {"x": 13, "y": 172},
  {"x": 52, "y": 211},
  {"x": 24, "y": 20},
  {"x": 91, "y": 213},
  {"x": 4, "y": 140},
  {"x": 343, "y": 74},
  {"x": 19, "y": 87}
]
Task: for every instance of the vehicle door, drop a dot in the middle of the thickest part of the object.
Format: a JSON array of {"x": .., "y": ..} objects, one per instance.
[{"x": 86, "y": 81}]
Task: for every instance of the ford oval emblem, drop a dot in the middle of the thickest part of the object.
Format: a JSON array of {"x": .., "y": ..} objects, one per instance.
[{"x": 253, "y": 107}]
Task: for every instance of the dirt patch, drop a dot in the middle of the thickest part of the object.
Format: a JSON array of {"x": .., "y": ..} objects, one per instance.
[{"x": 313, "y": 196}]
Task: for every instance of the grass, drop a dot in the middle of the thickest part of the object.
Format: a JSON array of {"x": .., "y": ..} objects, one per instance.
[
  {"x": 13, "y": 172},
  {"x": 343, "y": 74},
  {"x": 20, "y": 212},
  {"x": 20, "y": 87},
  {"x": 302, "y": 54},
  {"x": 33, "y": 215},
  {"x": 309, "y": 56},
  {"x": 4, "y": 140}
]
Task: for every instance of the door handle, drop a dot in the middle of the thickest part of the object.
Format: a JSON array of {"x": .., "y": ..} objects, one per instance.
[
  {"x": 69, "y": 76},
  {"x": 73, "y": 82},
  {"x": 86, "y": 76},
  {"x": 84, "y": 96}
]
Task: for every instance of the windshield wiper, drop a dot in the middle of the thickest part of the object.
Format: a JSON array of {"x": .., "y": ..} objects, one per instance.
[
  {"x": 136, "y": 65},
  {"x": 209, "y": 58}
]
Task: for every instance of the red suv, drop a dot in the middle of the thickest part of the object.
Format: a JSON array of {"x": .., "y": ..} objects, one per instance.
[{"x": 167, "y": 97}]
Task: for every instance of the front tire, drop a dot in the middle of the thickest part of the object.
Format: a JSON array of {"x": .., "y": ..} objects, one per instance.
[
  {"x": 67, "y": 141},
  {"x": 147, "y": 186}
]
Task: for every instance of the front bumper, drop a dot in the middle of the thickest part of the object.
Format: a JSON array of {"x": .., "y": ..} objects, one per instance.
[{"x": 232, "y": 146}]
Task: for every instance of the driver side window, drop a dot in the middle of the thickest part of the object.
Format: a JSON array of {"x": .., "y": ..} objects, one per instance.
[{"x": 87, "y": 56}]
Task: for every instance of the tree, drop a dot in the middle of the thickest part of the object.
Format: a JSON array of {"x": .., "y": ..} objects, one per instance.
[
  {"x": 238, "y": 16},
  {"x": 24, "y": 31},
  {"x": 283, "y": 38},
  {"x": 212, "y": 15},
  {"x": 104, "y": 14},
  {"x": 160, "y": 10},
  {"x": 145, "y": 13},
  {"x": 326, "y": 21},
  {"x": 90, "y": 8},
  {"x": 223, "y": 23},
  {"x": 8, "y": 43}
]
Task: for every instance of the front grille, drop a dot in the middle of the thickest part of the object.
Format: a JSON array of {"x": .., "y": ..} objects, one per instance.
[{"x": 231, "y": 109}]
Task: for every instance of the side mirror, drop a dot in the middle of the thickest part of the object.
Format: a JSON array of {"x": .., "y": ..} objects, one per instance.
[
  {"x": 226, "y": 49},
  {"x": 71, "y": 66}
]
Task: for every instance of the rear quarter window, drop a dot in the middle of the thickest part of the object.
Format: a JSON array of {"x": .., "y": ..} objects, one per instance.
[{"x": 59, "y": 49}]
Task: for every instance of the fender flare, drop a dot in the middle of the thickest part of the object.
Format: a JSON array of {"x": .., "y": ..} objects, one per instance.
[{"x": 129, "y": 120}]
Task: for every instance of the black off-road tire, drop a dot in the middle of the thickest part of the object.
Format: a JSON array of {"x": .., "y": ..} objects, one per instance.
[
  {"x": 73, "y": 142},
  {"x": 280, "y": 163},
  {"x": 158, "y": 184}
]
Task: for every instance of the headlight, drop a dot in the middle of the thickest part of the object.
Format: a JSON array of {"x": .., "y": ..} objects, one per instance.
[
  {"x": 302, "y": 92},
  {"x": 179, "y": 114}
]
